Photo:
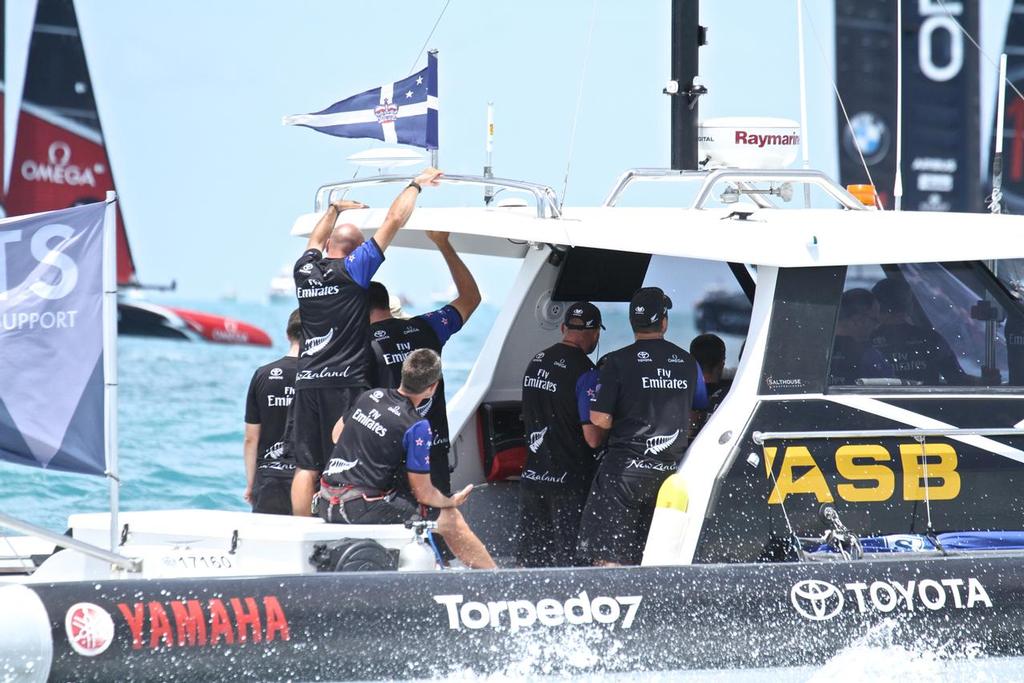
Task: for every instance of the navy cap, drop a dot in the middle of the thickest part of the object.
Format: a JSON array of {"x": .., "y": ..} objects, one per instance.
[
  {"x": 648, "y": 307},
  {"x": 583, "y": 315}
]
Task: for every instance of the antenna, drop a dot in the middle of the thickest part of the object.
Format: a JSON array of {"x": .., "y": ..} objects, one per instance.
[
  {"x": 898, "y": 189},
  {"x": 489, "y": 149},
  {"x": 804, "y": 144},
  {"x": 995, "y": 203}
]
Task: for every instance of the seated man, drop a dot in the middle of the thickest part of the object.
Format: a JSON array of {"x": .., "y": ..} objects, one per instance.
[
  {"x": 380, "y": 467},
  {"x": 853, "y": 358},
  {"x": 709, "y": 352}
]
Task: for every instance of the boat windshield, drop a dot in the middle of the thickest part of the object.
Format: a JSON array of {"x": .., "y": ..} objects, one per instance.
[{"x": 930, "y": 325}]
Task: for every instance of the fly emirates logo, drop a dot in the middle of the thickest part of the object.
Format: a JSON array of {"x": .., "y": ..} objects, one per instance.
[{"x": 663, "y": 380}]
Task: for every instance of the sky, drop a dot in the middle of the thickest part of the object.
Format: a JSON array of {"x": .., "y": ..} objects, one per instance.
[{"x": 191, "y": 95}]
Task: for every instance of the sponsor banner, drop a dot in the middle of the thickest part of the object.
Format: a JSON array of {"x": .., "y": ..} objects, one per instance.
[
  {"x": 51, "y": 340},
  {"x": 1013, "y": 122},
  {"x": 523, "y": 624},
  {"x": 940, "y": 100}
]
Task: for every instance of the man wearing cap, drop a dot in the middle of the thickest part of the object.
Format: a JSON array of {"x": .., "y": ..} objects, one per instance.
[
  {"x": 643, "y": 397},
  {"x": 557, "y": 389}
]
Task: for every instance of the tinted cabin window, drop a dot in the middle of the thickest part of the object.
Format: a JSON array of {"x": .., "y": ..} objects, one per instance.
[{"x": 927, "y": 325}]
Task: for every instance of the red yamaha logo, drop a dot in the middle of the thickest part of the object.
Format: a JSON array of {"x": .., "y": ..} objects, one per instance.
[{"x": 90, "y": 629}]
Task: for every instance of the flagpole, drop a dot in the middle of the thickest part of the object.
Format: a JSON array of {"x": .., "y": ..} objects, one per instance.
[{"x": 110, "y": 361}]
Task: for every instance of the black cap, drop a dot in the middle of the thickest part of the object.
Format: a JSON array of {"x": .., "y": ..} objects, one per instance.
[
  {"x": 648, "y": 307},
  {"x": 583, "y": 315}
]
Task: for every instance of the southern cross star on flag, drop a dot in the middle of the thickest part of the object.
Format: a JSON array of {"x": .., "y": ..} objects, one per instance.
[{"x": 404, "y": 112}]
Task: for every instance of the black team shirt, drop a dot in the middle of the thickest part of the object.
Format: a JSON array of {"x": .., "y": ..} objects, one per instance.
[
  {"x": 334, "y": 306},
  {"x": 558, "y": 386},
  {"x": 394, "y": 339},
  {"x": 270, "y": 394},
  {"x": 384, "y": 437},
  {"x": 648, "y": 388}
]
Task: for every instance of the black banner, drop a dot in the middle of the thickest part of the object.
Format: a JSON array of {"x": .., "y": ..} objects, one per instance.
[
  {"x": 940, "y": 101},
  {"x": 1013, "y": 124}
]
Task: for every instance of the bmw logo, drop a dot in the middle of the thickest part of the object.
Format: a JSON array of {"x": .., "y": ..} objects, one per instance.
[{"x": 869, "y": 132}]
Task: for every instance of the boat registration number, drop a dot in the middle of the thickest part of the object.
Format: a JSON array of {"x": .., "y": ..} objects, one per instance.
[{"x": 198, "y": 561}]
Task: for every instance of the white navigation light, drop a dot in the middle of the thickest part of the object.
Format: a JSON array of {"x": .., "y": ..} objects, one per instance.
[
  {"x": 387, "y": 157},
  {"x": 748, "y": 142}
]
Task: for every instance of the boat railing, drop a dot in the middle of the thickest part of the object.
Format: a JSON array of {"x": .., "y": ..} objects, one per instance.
[
  {"x": 760, "y": 438},
  {"x": 130, "y": 564},
  {"x": 742, "y": 178},
  {"x": 544, "y": 196}
]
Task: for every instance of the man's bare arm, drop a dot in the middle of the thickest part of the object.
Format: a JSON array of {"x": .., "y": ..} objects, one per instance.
[
  {"x": 599, "y": 419},
  {"x": 303, "y": 490},
  {"x": 401, "y": 208},
  {"x": 468, "y": 293},
  {"x": 339, "y": 427},
  {"x": 318, "y": 238},
  {"x": 249, "y": 447},
  {"x": 593, "y": 434},
  {"x": 427, "y": 494}
]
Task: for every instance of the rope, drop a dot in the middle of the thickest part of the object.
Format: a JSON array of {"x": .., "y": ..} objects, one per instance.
[
  {"x": 429, "y": 36},
  {"x": 978, "y": 47},
  {"x": 842, "y": 106},
  {"x": 579, "y": 102}
]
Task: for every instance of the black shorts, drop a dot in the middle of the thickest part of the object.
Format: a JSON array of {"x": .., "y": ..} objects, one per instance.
[
  {"x": 316, "y": 413},
  {"x": 617, "y": 517},
  {"x": 272, "y": 494},
  {"x": 549, "y": 522},
  {"x": 395, "y": 509}
]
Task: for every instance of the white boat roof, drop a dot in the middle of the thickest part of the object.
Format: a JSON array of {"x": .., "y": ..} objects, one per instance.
[{"x": 768, "y": 237}]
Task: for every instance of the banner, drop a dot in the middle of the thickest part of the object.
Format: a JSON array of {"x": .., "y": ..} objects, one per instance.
[
  {"x": 51, "y": 339},
  {"x": 940, "y": 101}
]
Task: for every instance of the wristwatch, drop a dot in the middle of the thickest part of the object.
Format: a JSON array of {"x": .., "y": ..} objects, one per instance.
[{"x": 413, "y": 183}]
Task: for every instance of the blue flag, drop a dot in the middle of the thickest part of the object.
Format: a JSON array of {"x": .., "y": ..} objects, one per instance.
[
  {"x": 51, "y": 339},
  {"x": 404, "y": 111}
]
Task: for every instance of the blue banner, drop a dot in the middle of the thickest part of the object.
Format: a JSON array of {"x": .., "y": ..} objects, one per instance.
[
  {"x": 404, "y": 111},
  {"x": 51, "y": 339}
]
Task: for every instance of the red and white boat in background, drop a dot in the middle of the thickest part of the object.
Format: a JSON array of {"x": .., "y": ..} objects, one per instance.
[{"x": 60, "y": 160}]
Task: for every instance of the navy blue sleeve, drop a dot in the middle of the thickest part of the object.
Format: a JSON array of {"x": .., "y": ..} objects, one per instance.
[
  {"x": 606, "y": 393},
  {"x": 417, "y": 448},
  {"x": 586, "y": 389},
  {"x": 700, "y": 395},
  {"x": 445, "y": 322},
  {"x": 363, "y": 262}
]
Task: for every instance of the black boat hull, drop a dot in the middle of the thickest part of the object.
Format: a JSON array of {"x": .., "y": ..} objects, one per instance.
[{"x": 396, "y": 625}]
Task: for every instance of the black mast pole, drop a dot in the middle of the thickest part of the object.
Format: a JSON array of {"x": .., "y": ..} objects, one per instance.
[{"x": 687, "y": 37}]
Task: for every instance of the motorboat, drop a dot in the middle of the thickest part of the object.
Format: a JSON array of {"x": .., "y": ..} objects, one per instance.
[{"x": 736, "y": 551}]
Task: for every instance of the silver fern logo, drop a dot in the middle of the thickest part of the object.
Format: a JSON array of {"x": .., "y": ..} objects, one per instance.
[
  {"x": 316, "y": 344},
  {"x": 536, "y": 439},
  {"x": 659, "y": 444}
]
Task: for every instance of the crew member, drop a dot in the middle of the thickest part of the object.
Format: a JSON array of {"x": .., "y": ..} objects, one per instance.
[
  {"x": 853, "y": 357},
  {"x": 393, "y": 339},
  {"x": 644, "y": 395},
  {"x": 557, "y": 388},
  {"x": 268, "y": 463},
  {"x": 380, "y": 467},
  {"x": 709, "y": 352},
  {"x": 916, "y": 354},
  {"x": 331, "y": 279}
]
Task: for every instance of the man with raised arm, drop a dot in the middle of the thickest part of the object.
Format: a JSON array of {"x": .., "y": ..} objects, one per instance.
[
  {"x": 558, "y": 385},
  {"x": 379, "y": 472},
  {"x": 331, "y": 281},
  {"x": 644, "y": 395},
  {"x": 393, "y": 339}
]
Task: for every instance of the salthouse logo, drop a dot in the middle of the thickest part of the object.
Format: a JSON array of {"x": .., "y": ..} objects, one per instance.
[
  {"x": 659, "y": 444},
  {"x": 820, "y": 600},
  {"x": 386, "y": 112},
  {"x": 90, "y": 629},
  {"x": 276, "y": 373},
  {"x": 536, "y": 439},
  {"x": 316, "y": 344},
  {"x": 59, "y": 170},
  {"x": 816, "y": 600},
  {"x": 789, "y": 383}
]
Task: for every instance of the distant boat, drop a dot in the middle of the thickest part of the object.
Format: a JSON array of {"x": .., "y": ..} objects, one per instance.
[
  {"x": 60, "y": 160},
  {"x": 282, "y": 286}
]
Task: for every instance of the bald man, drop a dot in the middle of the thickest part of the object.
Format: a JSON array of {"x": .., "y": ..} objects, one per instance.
[{"x": 331, "y": 281}]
